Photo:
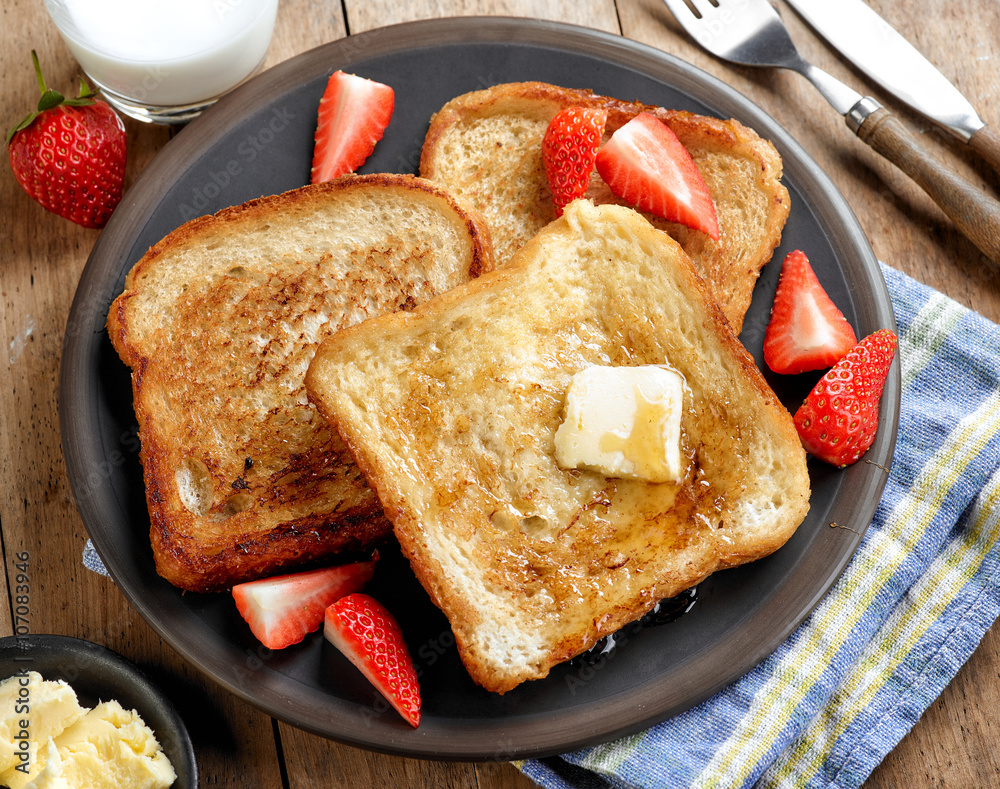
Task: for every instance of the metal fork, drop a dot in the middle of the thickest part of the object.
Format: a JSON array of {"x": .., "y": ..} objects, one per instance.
[{"x": 750, "y": 33}]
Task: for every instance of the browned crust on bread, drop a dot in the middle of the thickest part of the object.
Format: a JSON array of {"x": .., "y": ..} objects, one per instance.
[
  {"x": 307, "y": 505},
  {"x": 260, "y": 209},
  {"x": 731, "y": 265}
]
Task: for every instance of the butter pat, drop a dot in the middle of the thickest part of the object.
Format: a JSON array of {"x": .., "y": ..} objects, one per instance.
[
  {"x": 623, "y": 422},
  {"x": 51, "y": 775}
]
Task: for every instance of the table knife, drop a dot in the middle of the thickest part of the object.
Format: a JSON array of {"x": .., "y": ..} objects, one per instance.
[{"x": 871, "y": 44}]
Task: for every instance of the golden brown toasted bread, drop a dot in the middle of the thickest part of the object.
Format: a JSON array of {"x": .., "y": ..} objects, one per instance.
[
  {"x": 218, "y": 322},
  {"x": 451, "y": 411},
  {"x": 486, "y": 147}
]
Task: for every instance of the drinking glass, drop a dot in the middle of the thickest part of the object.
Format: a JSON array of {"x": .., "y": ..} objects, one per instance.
[{"x": 165, "y": 62}]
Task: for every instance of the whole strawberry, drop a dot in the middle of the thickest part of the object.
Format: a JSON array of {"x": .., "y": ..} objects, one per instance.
[
  {"x": 839, "y": 418},
  {"x": 69, "y": 155},
  {"x": 569, "y": 150}
]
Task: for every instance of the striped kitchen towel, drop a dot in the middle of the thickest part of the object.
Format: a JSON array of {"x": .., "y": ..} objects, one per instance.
[{"x": 917, "y": 597}]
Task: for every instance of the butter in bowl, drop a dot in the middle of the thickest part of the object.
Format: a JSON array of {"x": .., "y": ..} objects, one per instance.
[{"x": 73, "y": 713}]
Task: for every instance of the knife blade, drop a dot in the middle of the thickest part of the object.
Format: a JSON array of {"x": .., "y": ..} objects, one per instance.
[{"x": 870, "y": 43}]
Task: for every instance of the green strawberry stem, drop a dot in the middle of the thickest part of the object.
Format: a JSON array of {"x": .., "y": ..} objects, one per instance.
[{"x": 50, "y": 99}]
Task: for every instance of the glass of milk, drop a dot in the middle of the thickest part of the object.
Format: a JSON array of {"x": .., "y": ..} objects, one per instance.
[{"x": 165, "y": 61}]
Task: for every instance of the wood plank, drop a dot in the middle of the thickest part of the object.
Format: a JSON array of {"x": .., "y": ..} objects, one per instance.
[
  {"x": 501, "y": 775},
  {"x": 6, "y": 607},
  {"x": 312, "y": 761},
  {"x": 362, "y": 16},
  {"x": 302, "y": 25}
]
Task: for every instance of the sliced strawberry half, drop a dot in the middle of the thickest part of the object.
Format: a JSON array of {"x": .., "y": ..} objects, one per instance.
[
  {"x": 364, "y": 630},
  {"x": 806, "y": 330},
  {"x": 353, "y": 115},
  {"x": 838, "y": 420},
  {"x": 569, "y": 150},
  {"x": 283, "y": 609},
  {"x": 645, "y": 165}
]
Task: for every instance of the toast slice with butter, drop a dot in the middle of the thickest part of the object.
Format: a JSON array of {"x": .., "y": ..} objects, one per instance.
[
  {"x": 486, "y": 146},
  {"x": 218, "y": 323},
  {"x": 453, "y": 412}
]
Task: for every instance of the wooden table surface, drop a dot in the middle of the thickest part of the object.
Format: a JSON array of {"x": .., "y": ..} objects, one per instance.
[{"x": 953, "y": 745}]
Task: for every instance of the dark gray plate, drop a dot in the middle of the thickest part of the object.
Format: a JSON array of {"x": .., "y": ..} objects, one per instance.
[
  {"x": 97, "y": 674},
  {"x": 259, "y": 141}
]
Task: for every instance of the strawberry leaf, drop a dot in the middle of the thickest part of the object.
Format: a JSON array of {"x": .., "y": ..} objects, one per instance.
[{"x": 50, "y": 99}]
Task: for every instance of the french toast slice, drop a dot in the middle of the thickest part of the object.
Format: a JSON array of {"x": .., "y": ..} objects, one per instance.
[
  {"x": 451, "y": 411},
  {"x": 486, "y": 146},
  {"x": 218, "y": 323}
]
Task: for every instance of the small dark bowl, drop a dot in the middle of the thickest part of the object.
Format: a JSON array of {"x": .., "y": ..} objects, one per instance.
[{"x": 97, "y": 674}]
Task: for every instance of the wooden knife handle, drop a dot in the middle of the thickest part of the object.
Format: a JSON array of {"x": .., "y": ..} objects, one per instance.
[
  {"x": 986, "y": 143},
  {"x": 974, "y": 212}
]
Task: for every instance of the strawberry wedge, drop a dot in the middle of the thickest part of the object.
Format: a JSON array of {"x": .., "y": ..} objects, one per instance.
[
  {"x": 569, "y": 149},
  {"x": 645, "y": 165},
  {"x": 353, "y": 115},
  {"x": 838, "y": 420},
  {"x": 369, "y": 636},
  {"x": 806, "y": 330},
  {"x": 283, "y": 609}
]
